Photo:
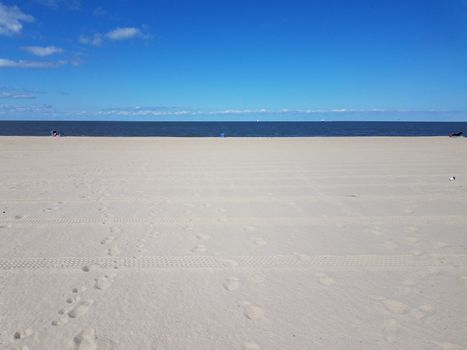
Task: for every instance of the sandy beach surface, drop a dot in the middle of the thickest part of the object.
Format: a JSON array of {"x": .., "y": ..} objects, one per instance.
[{"x": 188, "y": 243}]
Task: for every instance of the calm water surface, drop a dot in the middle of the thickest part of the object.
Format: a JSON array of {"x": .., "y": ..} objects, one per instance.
[{"x": 229, "y": 129}]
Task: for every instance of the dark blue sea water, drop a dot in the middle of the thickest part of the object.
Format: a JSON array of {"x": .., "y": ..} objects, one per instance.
[{"x": 230, "y": 129}]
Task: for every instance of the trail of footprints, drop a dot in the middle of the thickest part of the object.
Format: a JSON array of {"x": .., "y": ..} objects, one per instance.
[
  {"x": 401, "y": 312},
  {"x": 21, "y": 338},
  {"x": 251, "y": 311},
  {"x": 77, "y": 306}
]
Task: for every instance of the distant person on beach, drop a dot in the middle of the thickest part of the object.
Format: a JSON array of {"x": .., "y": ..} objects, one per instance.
[{"x": 54, "y": 133}]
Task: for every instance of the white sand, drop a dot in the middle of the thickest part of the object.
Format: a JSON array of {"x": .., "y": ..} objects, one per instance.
[{"x": 163, "y": 243}]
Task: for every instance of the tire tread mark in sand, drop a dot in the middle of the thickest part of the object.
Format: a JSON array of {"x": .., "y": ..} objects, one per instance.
[
  {"x": 189, "y": 262},
  {"x": 409, "y": 220}
]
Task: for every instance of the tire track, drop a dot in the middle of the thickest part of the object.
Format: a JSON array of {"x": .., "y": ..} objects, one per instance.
[
  {"x": 401, "y": 219},
  {"x": 370, "y": 262}
]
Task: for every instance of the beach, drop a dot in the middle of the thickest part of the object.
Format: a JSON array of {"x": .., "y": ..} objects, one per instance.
[{"x": 233, "y": 243}]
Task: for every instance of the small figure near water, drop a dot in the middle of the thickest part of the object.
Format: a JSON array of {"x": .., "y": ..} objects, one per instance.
[
  {"x": 459, "y": 133},
  {"x": 54, "y": 133}
]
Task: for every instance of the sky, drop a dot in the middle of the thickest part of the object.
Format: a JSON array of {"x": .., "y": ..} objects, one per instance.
[{"x": 233, "y": 60}]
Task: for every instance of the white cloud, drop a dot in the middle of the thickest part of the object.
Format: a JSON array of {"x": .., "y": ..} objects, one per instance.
[
  {"x": 56, "y": 4},
  {"x": 123, "y": 33},
  {"x": 7, "y": 63},
  {"x": 95, "y": 40},
  {"x": 12, "y": 19},
  {"x": 172, "y": 111},
  {"x": 17, "y": 94},
  {"x": 28, "y": 110},
  {"x": 42, "y": 51},
  {"x": 117, "y": 34}
]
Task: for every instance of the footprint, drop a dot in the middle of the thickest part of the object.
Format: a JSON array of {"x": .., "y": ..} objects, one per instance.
[
  {"x": 260, "y": 242},
  {"x": 324, "y": 279},
  {"x": 107, "y": 240},
  {"x": 114, "y": 229},
  {"x": 203, "y": 237},
  {"x": 114, "y": 251},
  {"x": 198, "y": 249},
  {"x": 48, "y": 209},
  {"x": 252, "y": 312},
  {"x": 232, "y": 283},
  {"x": 250, "y": 346},
  {"x": 188, "y": 227},
  {"x": 86, "y": 340},
  {"x": 22, "y": 334},
  {"x": 421, "y": 312},
  {"x": 60, "y": 322},
  {"x": 22, "y": 347},
  {"x": 102, "y": 283},
  {"x": 302, "y": 257},
  {"x": 396, "y": 307},
  {"x": 89, "y": 268},
  {"x": 72, "y": 300},
  {"x": 417, "y": 314},
  {"x": 80, "y": 309},
  {"x": 426, "y": 308},
  {"x": 391, "y": 330}
]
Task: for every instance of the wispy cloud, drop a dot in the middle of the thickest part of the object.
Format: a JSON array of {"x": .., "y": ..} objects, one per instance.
[
  {"x": 161, "y": 113},
  {"x": 95, "y": 40},
  {"x": 11, "y": 110},
  {"x": 16, "y": 94},
  {"x": 117, "y": 34},
  {"x": 42, "y": 51},
  {"x": 99, "y": 11},
  {"x": 124, "y": 33},
  {"x": 7, "y": 63},
  {"x": 12, "y": 19},
  {"x": 56, "y": 4},
  {"x": 172, "y": 111}
]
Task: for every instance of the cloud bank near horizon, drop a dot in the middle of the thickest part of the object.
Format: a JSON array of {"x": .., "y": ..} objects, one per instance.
[
  {"x": 163, "y": 113},
  {"x": 16, "y": 94}
]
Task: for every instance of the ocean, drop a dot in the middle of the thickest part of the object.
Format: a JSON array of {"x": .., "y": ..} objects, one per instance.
[{"x": 229, "y": 129}]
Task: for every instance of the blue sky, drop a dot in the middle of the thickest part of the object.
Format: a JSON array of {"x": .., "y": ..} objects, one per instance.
[{"x": 233, "y": 60}]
